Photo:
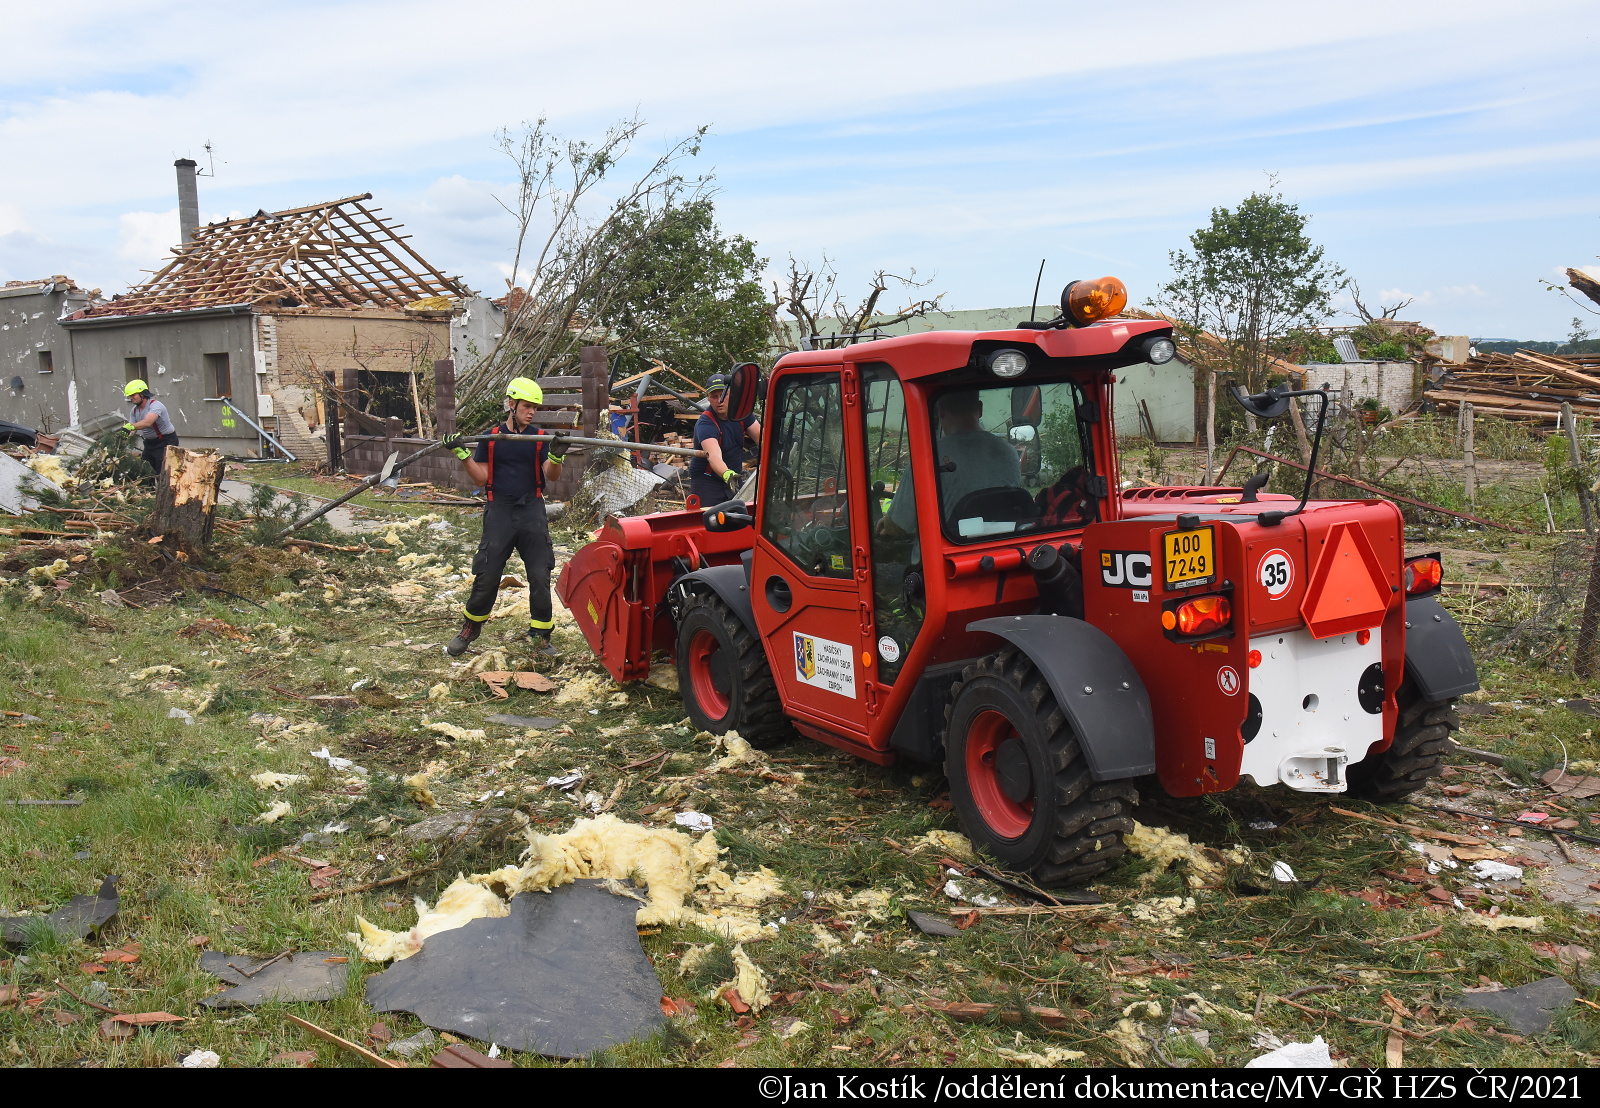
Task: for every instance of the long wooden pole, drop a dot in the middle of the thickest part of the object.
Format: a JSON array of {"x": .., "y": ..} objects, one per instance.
[{"x": 615, "y": 444}]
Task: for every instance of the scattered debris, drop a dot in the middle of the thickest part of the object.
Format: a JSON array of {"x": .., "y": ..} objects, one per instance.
[
  {"x": 357, "y": 1048},
  {"x": 201, "y": 1060},
  {"x": 279, "y": 809},
  {"x": 1529, "y": 1008},
  {"x": 74, "y": 920},
  {"x": 462, "y": 902},
  {"x": 306, "y": 976},
  {"x": 413, "y": 1045},
  {"x": 1306, "y": 1056},
  {"x": 533, "y": 682},
  {"x": 459, "y": 1056},
  {"x": 536, "y": 723},
  {"x": 1164, "y": 849},
  {"x": 1488, "y": 870},
  {"x": 749, "y": 984},
  {"x": 1505, "y": 923},
  {"x": 276, "y": 781},
  {"x": 697, "y": 822},
  {"x": 1051, "y": 1056},
  {"x": 930, "y": 924},
  {"x": 563, "y": 975}
]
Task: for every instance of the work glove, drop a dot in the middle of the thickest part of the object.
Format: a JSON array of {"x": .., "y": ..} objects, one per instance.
[
  {"x": 732, "y": 477},
  {"x": 452, "y": 442},
  {"x": 558, "y": 448},
  {"x": 128, "y": 427}
]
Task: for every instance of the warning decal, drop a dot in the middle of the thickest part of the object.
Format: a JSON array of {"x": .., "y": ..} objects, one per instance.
[
  {"x": 825, "y": 664},
  {"x": 1228, "y": 680}
]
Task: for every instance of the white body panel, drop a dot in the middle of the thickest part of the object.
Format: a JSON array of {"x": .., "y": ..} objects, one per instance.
[{"x": 1312, "y": 724}]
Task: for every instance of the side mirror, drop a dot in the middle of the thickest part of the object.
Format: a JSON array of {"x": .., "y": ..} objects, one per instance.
[
  {"x": 1027, "y": 405},
  {"x": 1263, "y": 405},
  {"x": 730, "y": 515}
]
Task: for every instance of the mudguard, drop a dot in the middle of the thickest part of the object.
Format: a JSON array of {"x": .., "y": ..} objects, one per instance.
[
  {"x": 1437, "y": 656},
  {"x": 731, "y": 583},
  {"x": 1095, "y": 684}
]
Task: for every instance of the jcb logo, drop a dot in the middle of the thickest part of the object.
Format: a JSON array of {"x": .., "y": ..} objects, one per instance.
[{"x": 1125, "y": 569}]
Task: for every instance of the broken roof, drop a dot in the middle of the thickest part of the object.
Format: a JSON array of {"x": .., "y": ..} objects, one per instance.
[{"x": 341, "y": 254}]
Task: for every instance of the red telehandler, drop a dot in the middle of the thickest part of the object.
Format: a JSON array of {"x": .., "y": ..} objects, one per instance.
[{"x": 939, "y": 564}]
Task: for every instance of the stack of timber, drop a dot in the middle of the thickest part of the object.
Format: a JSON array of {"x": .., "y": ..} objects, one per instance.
[{"x": 1524, "y": 385}]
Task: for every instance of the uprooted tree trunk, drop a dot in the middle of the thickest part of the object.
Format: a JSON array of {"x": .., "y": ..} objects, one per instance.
[{"x": 186, "y": 497}]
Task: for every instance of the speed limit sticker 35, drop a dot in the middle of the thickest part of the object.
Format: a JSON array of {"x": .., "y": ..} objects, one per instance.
[{"x": 1276, "y": 573}]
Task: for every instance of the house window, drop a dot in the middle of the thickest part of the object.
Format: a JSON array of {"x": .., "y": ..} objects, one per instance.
[
  {"x": 219, "y": 376},
  {"x": 133, "y": 370},
  {"x": 47, "y": 362}
]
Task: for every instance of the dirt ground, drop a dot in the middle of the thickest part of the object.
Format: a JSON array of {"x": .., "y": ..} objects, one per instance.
[{"x": 155, "y": 720}]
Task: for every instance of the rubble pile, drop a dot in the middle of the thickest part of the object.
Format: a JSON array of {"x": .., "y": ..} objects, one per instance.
[{"x": 1524, "y": 385}]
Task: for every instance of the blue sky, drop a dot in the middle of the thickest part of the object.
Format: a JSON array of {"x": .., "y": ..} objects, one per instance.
[{"x": 1445, "y": 151}]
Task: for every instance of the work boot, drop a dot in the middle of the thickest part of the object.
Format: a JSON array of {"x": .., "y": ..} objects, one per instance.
[
  {"x": 542, "y": 646},
  {"x": 458, "y": 645}
]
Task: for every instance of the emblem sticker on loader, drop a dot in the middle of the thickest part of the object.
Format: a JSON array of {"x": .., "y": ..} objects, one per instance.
[
  {"x": 1228, "y": 680},
  {"x": 1276, "y": 573},
  {"x": 1125, "y": 569},
  {"x": 825, "y": 664}
]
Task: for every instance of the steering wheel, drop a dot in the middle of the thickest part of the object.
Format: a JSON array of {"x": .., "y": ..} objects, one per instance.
[{"x": 999, "y": 503}]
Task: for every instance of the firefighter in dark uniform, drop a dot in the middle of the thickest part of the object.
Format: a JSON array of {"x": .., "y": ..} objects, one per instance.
[
  {"x": 717, "y": 477},
  {"x": 513, "y": 475}
]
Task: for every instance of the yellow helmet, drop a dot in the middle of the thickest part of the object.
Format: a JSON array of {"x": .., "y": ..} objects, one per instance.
[
  {"x": 522, "y": 388},
  {"x": 134, "y": 388}
]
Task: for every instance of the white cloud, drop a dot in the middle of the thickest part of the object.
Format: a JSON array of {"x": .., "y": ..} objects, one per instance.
[{"x": 147, "y": 237}]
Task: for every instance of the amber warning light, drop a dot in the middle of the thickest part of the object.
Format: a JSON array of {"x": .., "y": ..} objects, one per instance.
[
  {"x": 1198, "y": 616},
  {"x": 1424, "y": 575},
  {"x": 1086, "y": 302}
]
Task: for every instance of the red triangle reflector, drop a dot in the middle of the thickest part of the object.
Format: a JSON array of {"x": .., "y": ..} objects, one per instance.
[{"x": 1348, "y": 590}]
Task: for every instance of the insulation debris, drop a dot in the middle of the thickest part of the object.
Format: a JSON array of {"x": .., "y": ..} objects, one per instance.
[
  {"x": 585, "y": 691},
  {"x": 1051, "y": 1056},
  {"x": 155, "y": 671},
  {"x": 461, "y": 902},
  {"x": 439, "y": 691},
  {"x": 450, "y": 730},
  {"x": 947, "y": 842},
  {"x": 279, "y": 809},
  {"x": 694, "y": 958},
  {"x": 51, "y": 572},
  {"x": 417, "y": 788},
  {"x": 1162, "y": 909},
  {"x": 827, "y": 941},
  {"x": 276, "y": 781},
  {"x": 748, "y": 981},
  {"x": 1505, "y": 923},
  {"x": 1165, "y": 848},
  {"x": 50, "y": 468}
]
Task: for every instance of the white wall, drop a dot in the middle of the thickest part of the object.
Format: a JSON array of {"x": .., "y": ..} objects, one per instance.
[{"x": 1168, "y": 392}]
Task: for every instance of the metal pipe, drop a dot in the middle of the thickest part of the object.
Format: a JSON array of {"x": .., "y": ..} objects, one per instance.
[
  {"x": 615, "y": 444},
  {"x": 256, "y": 427}
]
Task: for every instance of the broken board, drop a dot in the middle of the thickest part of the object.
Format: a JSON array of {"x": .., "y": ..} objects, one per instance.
[
  {"x": 20, "y": 486},
  {"x": 73, "y": 920},
  {"x": 563, "y": 975},
  {"x": 309, "y": 975}
]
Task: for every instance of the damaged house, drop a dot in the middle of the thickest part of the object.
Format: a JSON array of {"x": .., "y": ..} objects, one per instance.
[
  {"x": 37, "y": 385},
  {"x": 246, "y": 327}
]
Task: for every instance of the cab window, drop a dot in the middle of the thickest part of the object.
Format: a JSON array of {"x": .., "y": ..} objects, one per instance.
[
  {"x": 1011, "y": 460},
  {"x": 806, "y": 512}
]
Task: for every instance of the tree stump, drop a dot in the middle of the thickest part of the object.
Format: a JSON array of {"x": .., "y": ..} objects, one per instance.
[{"x": 186, "y": 497}]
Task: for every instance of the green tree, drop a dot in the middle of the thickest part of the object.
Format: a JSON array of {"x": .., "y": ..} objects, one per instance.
[
  {"x": 1252, "y": 276},
  {"x": 689, "y": 295},
  {"x": 1249, "y": 279}
]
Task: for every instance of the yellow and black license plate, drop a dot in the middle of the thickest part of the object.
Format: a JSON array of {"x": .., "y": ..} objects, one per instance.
[{"x": 1190, "y": 557}]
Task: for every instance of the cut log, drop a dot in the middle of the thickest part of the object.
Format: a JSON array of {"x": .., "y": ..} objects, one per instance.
[{"x": 186, "y": 497}]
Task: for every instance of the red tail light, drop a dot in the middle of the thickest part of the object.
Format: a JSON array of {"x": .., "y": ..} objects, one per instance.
[
  {"x": 1423, "y": 575},
  {"x": 1199, "y": 616}
]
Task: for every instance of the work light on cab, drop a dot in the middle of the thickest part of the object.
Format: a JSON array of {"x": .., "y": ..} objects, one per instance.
[
  {"x": 1160, "y": 350},
  {"x": 1086, "y": 302},
  {"x": 1424, "y": 575},
  {"x": 1199, "y": 616},
  {"x": 1008, "y": 363}
]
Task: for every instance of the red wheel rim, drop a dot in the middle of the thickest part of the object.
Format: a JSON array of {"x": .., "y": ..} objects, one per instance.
[
  {"x": 1004, "y": 816},
  {"x": 703, "y": 650}
]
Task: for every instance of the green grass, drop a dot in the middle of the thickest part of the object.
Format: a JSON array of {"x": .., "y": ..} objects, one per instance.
[{"x": 169, "y": 808}]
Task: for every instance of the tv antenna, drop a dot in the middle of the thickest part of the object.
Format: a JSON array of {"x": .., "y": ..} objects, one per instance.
[{"x": 211, "y": 162}]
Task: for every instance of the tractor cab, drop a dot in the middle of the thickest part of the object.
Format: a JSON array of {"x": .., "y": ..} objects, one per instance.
[{"x": 939, "y": 564}]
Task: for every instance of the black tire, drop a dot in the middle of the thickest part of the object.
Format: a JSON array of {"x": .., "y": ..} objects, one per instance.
[
  {"x": 1421, "y": 740},
  {"x": 724, "y": 677},
  {"x": 1066, "y": 829}
]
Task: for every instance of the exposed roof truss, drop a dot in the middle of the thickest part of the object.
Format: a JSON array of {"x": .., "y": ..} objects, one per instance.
[{"x": 341, "y": 254}]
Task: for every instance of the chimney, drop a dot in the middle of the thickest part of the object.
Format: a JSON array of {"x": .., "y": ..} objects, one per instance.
[{"x": 188, "y": 198}]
